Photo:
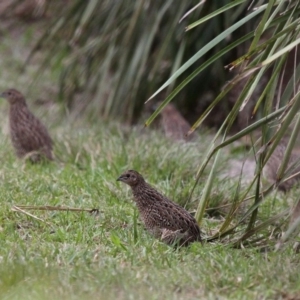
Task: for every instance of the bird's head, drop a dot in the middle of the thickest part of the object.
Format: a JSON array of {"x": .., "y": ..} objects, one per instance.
[
  {"x": 131, "y": 177},
  {"x": 13, "y": 96}
]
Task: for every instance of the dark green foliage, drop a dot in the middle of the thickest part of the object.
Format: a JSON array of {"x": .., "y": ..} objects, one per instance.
[{"x": 115, "y": 54}]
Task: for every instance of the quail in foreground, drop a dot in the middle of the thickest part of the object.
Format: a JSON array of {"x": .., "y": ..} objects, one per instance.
[
  {"x": 274, "y": 162},
  {"x": 28, "y": 135},
  {"x": 174, "y": 124},
  {"x": 163, "y": 218}
]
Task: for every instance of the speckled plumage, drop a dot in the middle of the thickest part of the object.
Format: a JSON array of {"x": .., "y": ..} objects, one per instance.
[
  {"x": 174, "y": 125},
  {"x": 162, "y": 217},
  {"x": 28, "y": 135}
]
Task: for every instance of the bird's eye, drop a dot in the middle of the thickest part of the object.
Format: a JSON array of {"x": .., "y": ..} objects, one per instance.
[
  {"x": 127, "y": 175},
  {"x": 9, "y": 93}
]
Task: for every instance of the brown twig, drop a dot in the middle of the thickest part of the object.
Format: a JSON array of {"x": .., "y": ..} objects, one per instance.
[
  {"x": 18, "y": 209},
  {"x": 55, "y": 208}
]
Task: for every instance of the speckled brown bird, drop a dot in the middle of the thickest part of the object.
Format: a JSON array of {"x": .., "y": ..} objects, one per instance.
[
  {"x": 273, "y": 164},
  {"x": 28, "y": 135},
  {"x": 31, "y": 9},
  {"x": 162, "y": 217},
  {"x": 174, "y": 124}
]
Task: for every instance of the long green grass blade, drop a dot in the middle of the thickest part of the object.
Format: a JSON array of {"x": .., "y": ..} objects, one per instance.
[
  {"x": 215, "y": 13},
  {"x": 281, "y": 52},
  {"x": 206, "y": 48},
  {"x": 192, "y": 76}
]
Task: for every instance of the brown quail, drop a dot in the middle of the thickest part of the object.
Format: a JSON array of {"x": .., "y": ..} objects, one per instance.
[
  {"x": 28, "y": 135},
  {"x": 163, "y": 218},
  {"x": 274, "y": 162},
  {"x": 174, "y": 125},
  {"x": 31, "y": 9}
]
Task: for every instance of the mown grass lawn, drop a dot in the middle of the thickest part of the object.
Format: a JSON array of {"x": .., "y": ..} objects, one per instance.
[{"x": 76, "y": 255}]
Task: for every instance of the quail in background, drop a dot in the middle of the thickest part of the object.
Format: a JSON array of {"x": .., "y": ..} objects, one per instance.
[
  {"x": 174, "y": 124},
  {"x": 28, "y": 135},
  {"x": 274, "y": 162},
  {"x": 162, "y": 217}
]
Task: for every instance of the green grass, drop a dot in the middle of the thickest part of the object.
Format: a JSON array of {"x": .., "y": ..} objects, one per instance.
[{"x": 77, "y": 255}]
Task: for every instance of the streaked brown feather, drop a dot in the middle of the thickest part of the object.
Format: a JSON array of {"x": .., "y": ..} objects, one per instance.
[
  {"x": 28, "y": 133},
  {"x": 162, "y": 217}
]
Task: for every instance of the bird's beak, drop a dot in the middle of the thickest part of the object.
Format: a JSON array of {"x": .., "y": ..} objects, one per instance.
[
  {"x": 2, "y": 95},
  {"x": 120, "y": 178}
]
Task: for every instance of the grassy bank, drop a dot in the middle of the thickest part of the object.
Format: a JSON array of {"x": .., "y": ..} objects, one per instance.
[
  {"x": 78, "y": 255},
  {"x": 71, "y": 255}
]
